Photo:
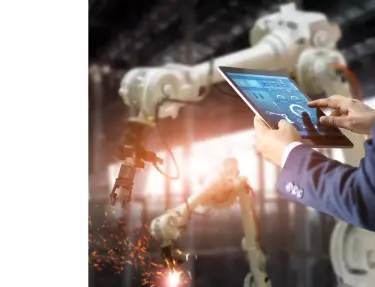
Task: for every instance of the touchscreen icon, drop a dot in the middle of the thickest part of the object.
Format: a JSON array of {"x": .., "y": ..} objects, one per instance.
[
  {"x": 253, "y": 84},
  {"x": 295, "y": 98},
  {"x": 285, "y": 116},
  {"x": 258, "y": 95},
  {"x": 298, "y": 110},
  {"x": 280, "y": 98}
]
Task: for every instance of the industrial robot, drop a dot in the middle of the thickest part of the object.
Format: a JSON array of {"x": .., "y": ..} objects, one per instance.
[
  {"x": 294, "y": 41},
  {"x": 223, "y": 191}
]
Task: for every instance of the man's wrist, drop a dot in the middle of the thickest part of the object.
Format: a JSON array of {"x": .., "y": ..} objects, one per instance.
[{"x": 288, "y": 148}]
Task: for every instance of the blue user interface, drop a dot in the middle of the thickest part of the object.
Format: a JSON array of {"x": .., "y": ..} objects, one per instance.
[{"x": 277, "y": 97}]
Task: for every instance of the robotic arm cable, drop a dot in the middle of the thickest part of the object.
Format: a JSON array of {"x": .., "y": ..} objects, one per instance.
[
  {"x": 168, "y": 99},
  {"x": 351, "y": 78},
  {"x": 134, "y": 154}
]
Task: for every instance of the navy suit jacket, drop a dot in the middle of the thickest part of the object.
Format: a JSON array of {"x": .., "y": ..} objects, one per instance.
[{"x": 342, "y": 191}]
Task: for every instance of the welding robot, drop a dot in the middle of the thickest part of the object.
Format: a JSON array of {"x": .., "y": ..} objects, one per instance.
[{"x": 294, "y": 41}]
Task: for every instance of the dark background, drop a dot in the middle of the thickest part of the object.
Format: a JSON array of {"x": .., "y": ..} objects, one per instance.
[{"x": 125, "y": 34}]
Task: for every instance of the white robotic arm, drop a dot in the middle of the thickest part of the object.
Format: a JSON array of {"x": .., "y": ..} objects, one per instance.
[
  {"x": 317, "y": 75},
  {"x": 170, "y": 226},
  {"x": 277, "y": 39},
  {"x": 222, "y": 192},
  {"x": 353, "y": 255},
  {"x": 280, "y": 42}
]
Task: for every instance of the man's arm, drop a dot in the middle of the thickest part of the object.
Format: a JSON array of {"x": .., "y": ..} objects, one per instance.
[
  {"x": 340, "y": 190},
  {"x": 287, "y": 151}
]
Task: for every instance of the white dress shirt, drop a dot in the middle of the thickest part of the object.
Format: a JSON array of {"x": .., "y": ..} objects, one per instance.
[{"x": 287, "y": 151}]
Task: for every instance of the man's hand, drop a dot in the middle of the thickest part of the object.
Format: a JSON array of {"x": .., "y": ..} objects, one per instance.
[
  {"x": 347, "y": 113},
  {"x": 272, "y": 143}
]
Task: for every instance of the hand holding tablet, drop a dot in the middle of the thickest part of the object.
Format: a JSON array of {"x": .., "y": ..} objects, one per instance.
[{"x": 273, "y": 96}]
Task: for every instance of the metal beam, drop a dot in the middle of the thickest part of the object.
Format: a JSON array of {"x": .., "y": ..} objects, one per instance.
[{"x": 98, "y": 161}]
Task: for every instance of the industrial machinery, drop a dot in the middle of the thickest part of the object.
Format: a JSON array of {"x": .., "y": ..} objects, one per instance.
[
  {"x": 352, "y": 253},
  {"x": 222, "y": 192},
  {"x": 295, "y": 41}
]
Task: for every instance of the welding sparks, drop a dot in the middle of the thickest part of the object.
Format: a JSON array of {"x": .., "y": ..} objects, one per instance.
[
  {"x": 116, "y": 247},
  {"x": 173, "y": 279}
]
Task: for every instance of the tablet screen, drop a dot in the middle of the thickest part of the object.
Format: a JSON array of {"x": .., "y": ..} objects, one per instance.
[{"x": 277, "y": 97}]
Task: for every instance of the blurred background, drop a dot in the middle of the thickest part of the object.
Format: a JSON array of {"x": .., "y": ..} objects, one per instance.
[{"x": 126, "y": 34}]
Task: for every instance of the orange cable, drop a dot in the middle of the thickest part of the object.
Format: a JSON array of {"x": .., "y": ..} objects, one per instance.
[{"x": 352, "y": 79}]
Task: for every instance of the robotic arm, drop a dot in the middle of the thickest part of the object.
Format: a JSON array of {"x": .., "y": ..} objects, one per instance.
[
  {"x": 158, "y": 92},
  {"x": 222, "y": 192},
  {"x": 317, "y": 73},
  {"x": 278, "y": 40},
  {"x": 353, "y": 255}
]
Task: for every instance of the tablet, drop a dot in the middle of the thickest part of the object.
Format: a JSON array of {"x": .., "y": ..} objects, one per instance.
[{"x": 274, "y": 96}]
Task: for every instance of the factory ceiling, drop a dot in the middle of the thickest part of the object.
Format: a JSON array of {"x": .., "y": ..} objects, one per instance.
[{"x": 125, "y": 34}]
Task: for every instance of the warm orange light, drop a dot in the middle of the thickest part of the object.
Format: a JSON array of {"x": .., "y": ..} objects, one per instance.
[
  {"x": 204, "y": 162},
  {"x": 173, "y": 279}
]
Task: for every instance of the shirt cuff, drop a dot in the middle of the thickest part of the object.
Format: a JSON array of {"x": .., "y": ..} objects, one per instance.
[{"x": 287, "y": 151}]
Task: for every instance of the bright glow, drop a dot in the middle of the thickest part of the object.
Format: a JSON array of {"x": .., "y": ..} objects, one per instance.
[
  {"x": 204, "y": 162},
  {"x": 207, "y": 156},
  {"x": 176, "y": 185},
  {"x": 155, "y": 182},
  {"x": 173, "y": 279}
]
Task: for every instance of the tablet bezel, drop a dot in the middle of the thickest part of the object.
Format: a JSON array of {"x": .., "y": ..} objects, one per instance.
[{"x": 317, "y": 140}]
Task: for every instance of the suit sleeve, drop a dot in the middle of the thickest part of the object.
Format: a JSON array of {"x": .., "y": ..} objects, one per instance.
[{"x": 345, "y": 192}]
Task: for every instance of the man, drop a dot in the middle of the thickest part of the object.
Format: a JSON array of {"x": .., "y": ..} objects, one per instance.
[{"x": 308, "y": 177}]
